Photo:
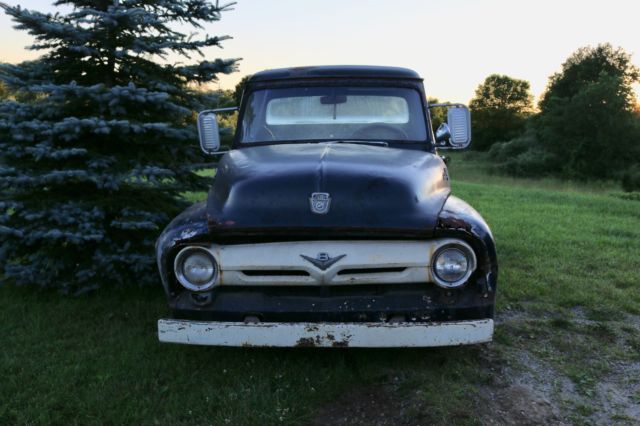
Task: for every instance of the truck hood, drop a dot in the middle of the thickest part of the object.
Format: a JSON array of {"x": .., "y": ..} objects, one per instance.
[{"x": 374, "y": 190}]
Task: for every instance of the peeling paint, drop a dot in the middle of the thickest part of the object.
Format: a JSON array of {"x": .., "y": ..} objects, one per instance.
[{"x": 188, "y": 233}]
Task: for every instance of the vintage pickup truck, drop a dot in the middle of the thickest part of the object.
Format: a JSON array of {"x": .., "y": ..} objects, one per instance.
[{"x": 330, "y": 222}]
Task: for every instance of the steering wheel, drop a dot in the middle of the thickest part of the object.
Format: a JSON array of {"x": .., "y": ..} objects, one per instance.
[{"x": 381, "y": 132}]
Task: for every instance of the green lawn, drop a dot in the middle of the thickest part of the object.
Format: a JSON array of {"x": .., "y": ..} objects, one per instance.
[{"x": 567, "y": 344}]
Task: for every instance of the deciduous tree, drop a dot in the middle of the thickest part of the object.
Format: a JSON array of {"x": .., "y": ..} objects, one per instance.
[
  {"x": 438, "y": 114},
  {"x": 587, "y": 120},
  {"x": 499, "y": 110}
]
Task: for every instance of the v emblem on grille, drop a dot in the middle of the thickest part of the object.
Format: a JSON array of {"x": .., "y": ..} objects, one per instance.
[{"x": 323, "y": 261}]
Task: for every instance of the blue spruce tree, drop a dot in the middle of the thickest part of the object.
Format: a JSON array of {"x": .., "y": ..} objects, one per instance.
[{"x": 98, "y": 142}]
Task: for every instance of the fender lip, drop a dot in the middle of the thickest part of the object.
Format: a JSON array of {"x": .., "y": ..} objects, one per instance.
[{"x": 326, "y": 335}]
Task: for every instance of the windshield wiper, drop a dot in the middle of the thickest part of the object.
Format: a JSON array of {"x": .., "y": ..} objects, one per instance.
[{"x": 374, "y": 143}]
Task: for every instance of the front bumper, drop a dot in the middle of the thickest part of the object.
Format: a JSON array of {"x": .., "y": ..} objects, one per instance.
[{"x": 362, "y": 335}]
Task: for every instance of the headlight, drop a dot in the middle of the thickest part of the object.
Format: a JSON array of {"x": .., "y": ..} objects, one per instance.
[
  {"x": 196, "y": 268},
  {"x": 453, "y": 264}
]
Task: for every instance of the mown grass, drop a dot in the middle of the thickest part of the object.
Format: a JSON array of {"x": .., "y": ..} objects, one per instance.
[
  {"x": 568, "y": 253},
  {"x": 96, "y": 359}
]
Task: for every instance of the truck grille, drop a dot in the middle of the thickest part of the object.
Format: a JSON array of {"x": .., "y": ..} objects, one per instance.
[{"x": 317, "y": 263}]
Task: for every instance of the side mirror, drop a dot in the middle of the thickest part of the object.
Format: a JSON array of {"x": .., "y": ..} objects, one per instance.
[
  {"x": 208, "y": 132},
  {"x": 456, "y": 133},
  {"x": 208, "y": 129},
  {"x": 443, "y": 134}
]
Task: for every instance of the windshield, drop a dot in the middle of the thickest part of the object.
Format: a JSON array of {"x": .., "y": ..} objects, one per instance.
[{"x": 333, "y": 113}]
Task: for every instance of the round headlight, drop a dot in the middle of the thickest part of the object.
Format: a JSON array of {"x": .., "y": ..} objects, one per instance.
[
  {"x": 196, "y": 268},
  {"x": 453, "y": 264}
]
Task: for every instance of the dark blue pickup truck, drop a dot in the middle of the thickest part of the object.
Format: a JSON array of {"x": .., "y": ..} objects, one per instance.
[{"x": 330, "y": 222}]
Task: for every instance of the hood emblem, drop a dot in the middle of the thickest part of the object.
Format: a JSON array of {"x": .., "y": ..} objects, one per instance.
[
  {"x": 323, "y": 261},
  {"x": 320, "y": 202}
]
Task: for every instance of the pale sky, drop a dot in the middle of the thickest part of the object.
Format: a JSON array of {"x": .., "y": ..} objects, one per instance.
[{"x": 453, "y": 44}]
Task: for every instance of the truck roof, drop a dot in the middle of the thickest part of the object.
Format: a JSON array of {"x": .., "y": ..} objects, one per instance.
[{"x": 336, "y": 71}]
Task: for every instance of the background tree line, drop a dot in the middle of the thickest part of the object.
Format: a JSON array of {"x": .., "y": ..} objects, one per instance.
[{"x": 587, "y": 125}]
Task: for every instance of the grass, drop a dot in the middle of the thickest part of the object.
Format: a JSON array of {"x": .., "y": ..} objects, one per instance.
[
  {"x": 569, "y": 300},
  {"x": 96, "y": 359}
]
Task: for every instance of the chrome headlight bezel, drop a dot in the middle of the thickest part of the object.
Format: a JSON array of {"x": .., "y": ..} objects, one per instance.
[
  {"x": 471, "y": 264},
  {"x": 178, "y": 268}
]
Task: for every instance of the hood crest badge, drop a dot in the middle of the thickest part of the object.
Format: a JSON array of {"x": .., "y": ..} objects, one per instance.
[
  {"x": 323, "y": 261},
  {"x": 320, "y": 202}
]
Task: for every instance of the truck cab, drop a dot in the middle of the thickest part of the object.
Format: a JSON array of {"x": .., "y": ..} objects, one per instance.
[{"x": 330, "y": 222}]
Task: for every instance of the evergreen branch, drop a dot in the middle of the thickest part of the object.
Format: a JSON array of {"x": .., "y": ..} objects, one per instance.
[
  {"x": 45, "y": 26},
  {"x": 206, "y": 71}
]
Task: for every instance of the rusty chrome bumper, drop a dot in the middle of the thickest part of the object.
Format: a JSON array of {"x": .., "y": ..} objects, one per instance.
[{"x": 362, "y": 335}]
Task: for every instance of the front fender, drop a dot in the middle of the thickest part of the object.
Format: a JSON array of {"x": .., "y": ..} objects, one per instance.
[
  {"x": 190, "y": 226},
  {"x": 457, "y": 219}
]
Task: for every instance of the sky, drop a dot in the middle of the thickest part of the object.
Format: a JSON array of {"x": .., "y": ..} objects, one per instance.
[{"x": 453, "y": 44}]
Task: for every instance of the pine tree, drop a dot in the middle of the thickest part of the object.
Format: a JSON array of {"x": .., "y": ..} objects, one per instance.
[{"x": 99, "y": 143}]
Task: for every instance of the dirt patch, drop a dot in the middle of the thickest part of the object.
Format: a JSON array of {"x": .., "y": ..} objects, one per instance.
[
  {"x": 516, "y": 405},
  {"x": 589, "y": 381},
  {"x": 618, "y": 396},
  {"x": 366, "y": 406},
  {"x": 574, "y": 371},
  {"x": 511, "y": 405},
  {"x": 521, "y": 390}
]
